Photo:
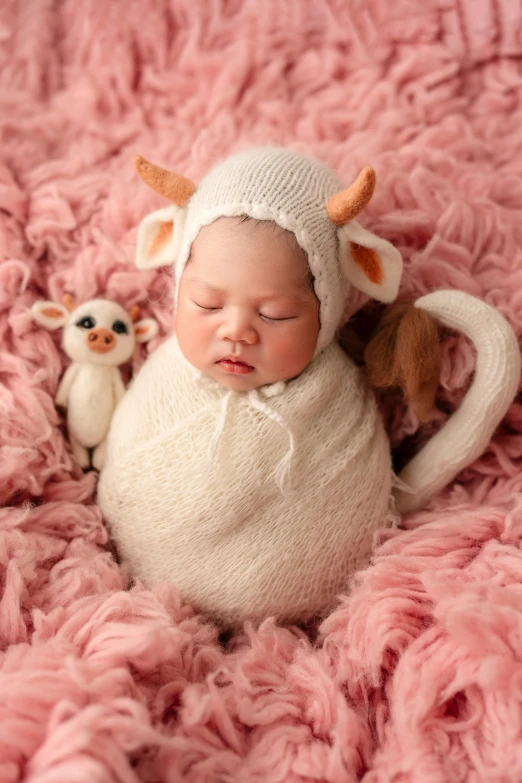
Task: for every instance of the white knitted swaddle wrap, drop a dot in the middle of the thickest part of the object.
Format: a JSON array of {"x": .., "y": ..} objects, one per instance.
[{"x": 229, "y": 539}]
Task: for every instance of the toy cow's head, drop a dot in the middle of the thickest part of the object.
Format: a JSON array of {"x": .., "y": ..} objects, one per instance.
[{"x": 98, "y": 331}]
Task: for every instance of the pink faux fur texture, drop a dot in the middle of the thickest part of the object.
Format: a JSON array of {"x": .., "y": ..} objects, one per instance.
[{"x": 417, "y": 675}]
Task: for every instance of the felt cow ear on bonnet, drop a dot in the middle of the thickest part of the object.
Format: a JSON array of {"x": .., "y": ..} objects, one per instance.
[
  {"x": 98, "y": 335},
  {"x": 278, "y": 491}
]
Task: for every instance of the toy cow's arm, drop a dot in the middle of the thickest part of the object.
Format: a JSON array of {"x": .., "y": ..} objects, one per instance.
[
  {"x": 118, "y": 386},
  {"x": 62, "y": 395}
]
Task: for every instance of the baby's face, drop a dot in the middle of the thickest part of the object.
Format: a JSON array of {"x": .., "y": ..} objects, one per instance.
[{"x": 246, "y": 315}]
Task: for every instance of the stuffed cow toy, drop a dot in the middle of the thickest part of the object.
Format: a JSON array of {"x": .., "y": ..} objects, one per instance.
[{"x": 98, "y": 336}]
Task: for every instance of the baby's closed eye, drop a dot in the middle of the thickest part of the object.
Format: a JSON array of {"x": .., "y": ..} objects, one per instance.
[
  {"x": 280, "y": 318},
  {"x": 207, "y": 306},
  {"x": 272, "y": 317}
]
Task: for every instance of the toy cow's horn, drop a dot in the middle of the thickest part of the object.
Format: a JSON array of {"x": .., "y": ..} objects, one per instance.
[
  {"x": 69, "y": 302},
  {"x": 176, "y": 188},
  {"x": 347, "y": 204}
]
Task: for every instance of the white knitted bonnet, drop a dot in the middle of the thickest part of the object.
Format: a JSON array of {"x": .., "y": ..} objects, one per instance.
[{"x": 300, "y": 195}]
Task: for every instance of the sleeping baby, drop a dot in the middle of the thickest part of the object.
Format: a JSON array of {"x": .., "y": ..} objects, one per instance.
[{"x": 247, "y": 464}]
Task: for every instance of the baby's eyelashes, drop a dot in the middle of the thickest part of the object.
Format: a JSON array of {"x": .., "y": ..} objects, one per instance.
[
  {"x": 206, "y": 307},
  {"x": 269, "y": 318}
]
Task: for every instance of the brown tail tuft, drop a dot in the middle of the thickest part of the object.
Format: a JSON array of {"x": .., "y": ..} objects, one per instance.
[{"x": 405, "y": 352}]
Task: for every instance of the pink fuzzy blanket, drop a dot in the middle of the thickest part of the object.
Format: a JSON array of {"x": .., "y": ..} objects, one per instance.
[{"x": 417, "y": 675}]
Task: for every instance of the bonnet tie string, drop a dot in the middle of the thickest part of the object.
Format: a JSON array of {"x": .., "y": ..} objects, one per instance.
[
  {"x": 256, "y": 403},
  {"x": 220, "y": 428},
  {"x": 283, "y": 468}
]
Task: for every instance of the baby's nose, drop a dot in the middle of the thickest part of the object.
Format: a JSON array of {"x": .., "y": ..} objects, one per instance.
[
  {"x": 101, "y": 340},
  {"x": 238, "y": 329}
]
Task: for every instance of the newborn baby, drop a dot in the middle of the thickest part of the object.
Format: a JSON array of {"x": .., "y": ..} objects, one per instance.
[{"x": 247, "y": 463}]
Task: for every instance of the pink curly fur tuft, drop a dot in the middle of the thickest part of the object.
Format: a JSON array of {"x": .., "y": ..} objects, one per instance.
[{"x": 415, "y": 676}]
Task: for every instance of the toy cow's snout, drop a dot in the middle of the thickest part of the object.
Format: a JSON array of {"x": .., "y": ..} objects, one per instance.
[{"x": 101, "y": 340}]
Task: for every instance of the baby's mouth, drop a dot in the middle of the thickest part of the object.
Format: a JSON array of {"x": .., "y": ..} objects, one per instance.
[{"x": 235, "y": 366}]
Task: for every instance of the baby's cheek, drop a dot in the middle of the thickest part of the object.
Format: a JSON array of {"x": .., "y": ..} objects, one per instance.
[
  {"x": 288, "y": 347},
  {"x": 188, "y": 330},
  {"x": 197, "y": 336}
]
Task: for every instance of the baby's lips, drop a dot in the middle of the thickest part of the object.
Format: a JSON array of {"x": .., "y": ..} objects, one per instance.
[
  {"x": 235, "y": 366},
  {"x": 234, "y": 360}
]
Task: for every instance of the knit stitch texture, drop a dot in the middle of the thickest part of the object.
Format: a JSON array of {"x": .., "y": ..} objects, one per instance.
[{"x": 234, "y": 542}]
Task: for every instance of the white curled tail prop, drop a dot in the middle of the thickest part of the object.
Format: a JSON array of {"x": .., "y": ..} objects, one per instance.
[{"x": 468, "y": 432}]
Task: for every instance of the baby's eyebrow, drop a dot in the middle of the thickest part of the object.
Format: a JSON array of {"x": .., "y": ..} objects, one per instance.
[
  {"x": 273, "y": 296},
  {"x": 198, "y": 282},
  {"x": 296, "y": 296}
]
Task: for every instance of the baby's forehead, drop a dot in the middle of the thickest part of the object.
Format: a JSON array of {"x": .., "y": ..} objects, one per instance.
[
  {"x": 246, "y": 227},
  {"x": 258, "y": 250},
  {"x": 227, "y": 233}
]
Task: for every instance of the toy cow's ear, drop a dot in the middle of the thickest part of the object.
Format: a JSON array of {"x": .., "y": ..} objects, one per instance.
[
  {"x": 159, "y": 237},
  {"x": 50, "y": 314},
  {"x": 145, "y": 330},
  {"x": 369, "y": 263}
]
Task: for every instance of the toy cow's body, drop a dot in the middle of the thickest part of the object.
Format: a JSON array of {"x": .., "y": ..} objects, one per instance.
[
  {"x": 99, "y": 335},
  {"x": 90, "y": 394}
]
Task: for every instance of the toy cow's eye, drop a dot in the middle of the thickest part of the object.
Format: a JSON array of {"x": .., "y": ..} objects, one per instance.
[
  {"x": 119, "y": 327},
  {"x": 86, "y": 322}
]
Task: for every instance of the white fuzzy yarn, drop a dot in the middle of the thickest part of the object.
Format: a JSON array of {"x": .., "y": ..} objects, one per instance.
[{"x": 231, "y": 541}]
